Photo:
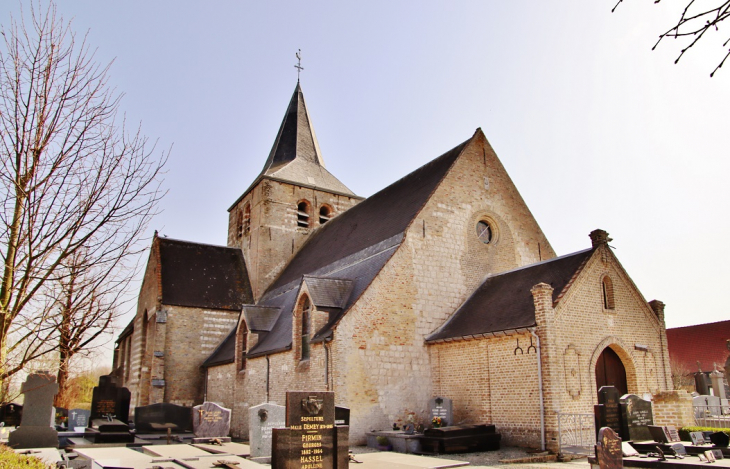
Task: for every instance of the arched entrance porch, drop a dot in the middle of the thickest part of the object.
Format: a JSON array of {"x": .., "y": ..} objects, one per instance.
[{"x": 610, "y": 371}]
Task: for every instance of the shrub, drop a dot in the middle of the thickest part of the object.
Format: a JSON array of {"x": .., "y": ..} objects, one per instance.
[
  {"x": 10, "y": 459},
  {"x": 685, "y": 431}
]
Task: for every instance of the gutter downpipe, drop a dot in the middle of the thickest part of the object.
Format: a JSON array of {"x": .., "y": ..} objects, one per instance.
[
  {"x": 268, "y": 373},
  {"x": 539, "y": 382}
]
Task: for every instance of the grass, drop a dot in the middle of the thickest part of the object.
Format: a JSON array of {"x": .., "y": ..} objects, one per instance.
[{"x": 10, "y": 459}]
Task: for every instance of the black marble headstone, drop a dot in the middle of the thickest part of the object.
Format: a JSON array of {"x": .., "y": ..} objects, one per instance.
[
  {"x": 720, "y": 439},
  {"x": 342, "y": 416},
  {"x": 109, "y": 399},
  {"x": 11, "y": 414},
  {"x": 607, "y": 412},
  {"x": 658, "y": 434},
  {"x": 608, "y": 449},
  {"x": 159, "y": 417},
  {"x": 636, "y": 416},
  {"x": 311, "y": 439}
]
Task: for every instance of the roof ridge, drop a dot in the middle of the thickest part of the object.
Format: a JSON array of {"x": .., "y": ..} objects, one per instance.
[{"x": 176, "y": 240}]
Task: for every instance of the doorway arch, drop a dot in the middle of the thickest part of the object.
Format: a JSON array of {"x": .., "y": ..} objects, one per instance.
[{"x": 610, "y": 371}]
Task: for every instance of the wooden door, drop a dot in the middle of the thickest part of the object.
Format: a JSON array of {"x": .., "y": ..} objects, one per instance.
[{"x": 611, "y": 372}]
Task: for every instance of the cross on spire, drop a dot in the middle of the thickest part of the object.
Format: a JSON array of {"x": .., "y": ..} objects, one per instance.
[{"x": 298, "y": 66}]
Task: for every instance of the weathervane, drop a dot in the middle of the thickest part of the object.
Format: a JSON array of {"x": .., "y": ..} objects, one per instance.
[{"x": 298, "y": 66}]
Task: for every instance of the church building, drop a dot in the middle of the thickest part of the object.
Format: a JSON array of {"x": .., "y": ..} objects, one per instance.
[{"x": 441, "y": 284}]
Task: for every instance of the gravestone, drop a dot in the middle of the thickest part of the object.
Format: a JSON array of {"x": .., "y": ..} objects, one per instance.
[
  {"x": 672, "y": 434},
  {"x": 608, "y": 449},
  {"x": 10, "y": 414},
  {"x": 720, "y": 439},
  {"x": 441, "y": 407},
  {"x": 636, "y": 416},
  {"x": 627, "y": 450},
  {"x": 658, "y": 434},
  {"x": 211, "y": 420},
  {"x": 262, "y": 419},
  {"x": 718, "y": 384},
  {"x": 161, "y": 417},
  {"x": 697, "y": 438},
  {"x": 311, "y": 439},
  {"x": 702, "y": 383},
  {"x": 35, "y": 430},
  {"x": 607, "y": 412},
  {"x": 679, "y": 449},
  {"x": 342, "y": 416},
  {"x": 78, "y": 418},
  {"x": 109, "y": 399}
]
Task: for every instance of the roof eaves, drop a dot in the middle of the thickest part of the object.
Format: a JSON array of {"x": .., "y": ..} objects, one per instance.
[{"x": 484, "y": 335}]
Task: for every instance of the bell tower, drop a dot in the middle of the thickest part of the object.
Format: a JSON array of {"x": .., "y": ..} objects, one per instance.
[{"x": 292, "y": 196}]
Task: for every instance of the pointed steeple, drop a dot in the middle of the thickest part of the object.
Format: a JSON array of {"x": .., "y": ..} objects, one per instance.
[
  {"x": 295, "y": 156},
  {"x": 296, "y": 138}
]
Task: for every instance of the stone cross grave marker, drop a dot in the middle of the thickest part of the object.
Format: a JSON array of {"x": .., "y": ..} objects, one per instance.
[
  {"x": 607, "y": 413},
  {"x": 109, "y": 399},
  {"x": 311, "y": 439},
  {"x": 36, "y": 429},
  {"x": 211, "y": 421},
  {"x": 636, "y": 416},
  {"x": 608, "y": 449},
  {"x": 262, "y": 420},
  {"x": 78, "y": 418},
  {"x": 442, "y": 407}
]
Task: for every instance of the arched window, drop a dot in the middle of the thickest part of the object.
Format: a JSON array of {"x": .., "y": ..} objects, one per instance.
[
  {"x": 303, "y": 214},
  {"x": 305, "y": 318},
  {"x": 325, "y": 213},
  {"x": 239, "y": 224},
  {"x": 607, "y": 286},
  {"x": 246, "y": 219},
  {"x": 242, "y": 344}
]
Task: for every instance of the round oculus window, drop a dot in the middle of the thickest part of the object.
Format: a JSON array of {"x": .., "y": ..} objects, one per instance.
[{"x": 484, "y": 232}]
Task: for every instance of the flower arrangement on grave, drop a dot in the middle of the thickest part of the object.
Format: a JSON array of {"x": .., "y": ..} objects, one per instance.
[{"x": 437, "y": 422}]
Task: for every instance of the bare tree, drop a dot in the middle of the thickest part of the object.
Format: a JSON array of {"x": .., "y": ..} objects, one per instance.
[
  {"x": 77, "y": 189},
  {"x": 86, "y": 301},
  {"x": 694, "y": 22}
]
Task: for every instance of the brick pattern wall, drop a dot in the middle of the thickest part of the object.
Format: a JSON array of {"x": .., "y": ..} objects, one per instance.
[
  {"x": 218, "y": 386},
  {"x": 673, "y": 408},
  {"x": 274, "y": 235}
]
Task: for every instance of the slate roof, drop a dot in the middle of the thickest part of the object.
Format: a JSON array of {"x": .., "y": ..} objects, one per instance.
[
  {"x": 341, "y": 259},
  {"x": 703, "y": 342},
  {"x": 296, "y": 157},
  {"x": 224, "y": 353},
  {"x": 203, "y": 276},
  {"x": 503, "y": 302}
]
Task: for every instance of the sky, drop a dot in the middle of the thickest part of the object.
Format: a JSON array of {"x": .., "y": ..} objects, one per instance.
[{"x": 595, "y": 129}]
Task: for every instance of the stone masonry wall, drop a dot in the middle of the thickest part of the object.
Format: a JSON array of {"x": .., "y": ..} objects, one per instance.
[
  {"x": 673, "y": 408},
  {"x": 218, "y": 387},
  {"x": 381, "y": 341},
  {"x": 274, "y": 235},
  {"x": 192, "y": 335}
]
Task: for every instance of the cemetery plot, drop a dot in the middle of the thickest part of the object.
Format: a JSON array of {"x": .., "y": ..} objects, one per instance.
[{"x": 161, "y": 417}]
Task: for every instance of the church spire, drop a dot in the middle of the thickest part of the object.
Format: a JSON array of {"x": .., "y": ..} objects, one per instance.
[
  {"x": 295, "y": 157},
  {"x": 296, "y": 138}
]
